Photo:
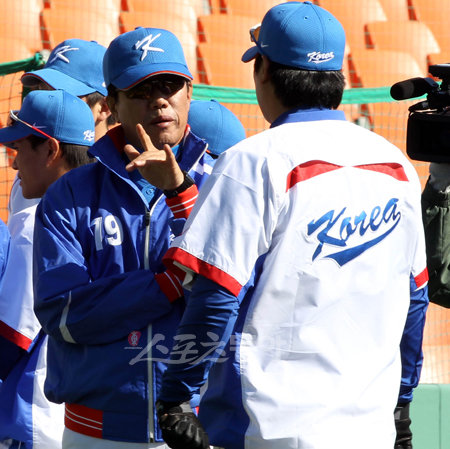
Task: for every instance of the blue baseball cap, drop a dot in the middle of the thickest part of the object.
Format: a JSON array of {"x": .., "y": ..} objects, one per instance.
[
  {"x": 300, "y": 35},
  {"x": 51, "y": 113},
  {"x": 216, "y": 124},
  {"x": 75, "y": 65},
  {"x": 139, "y": 54}
]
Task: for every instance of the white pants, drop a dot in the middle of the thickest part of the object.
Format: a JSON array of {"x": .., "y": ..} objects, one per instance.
[{"x": 75, "y": 440}]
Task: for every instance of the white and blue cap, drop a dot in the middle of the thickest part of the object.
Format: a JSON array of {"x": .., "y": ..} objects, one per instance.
[
  {"x": 139, "y": 54},
  {"x": 75, "y": 65},
  {"x": 51, "y": 113},
  {"x": 216, "y": 124},
  {"x": 300, "y": 35}
]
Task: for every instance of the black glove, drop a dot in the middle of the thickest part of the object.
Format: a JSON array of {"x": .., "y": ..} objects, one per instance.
[
  {"x": 180, "y": 428},
  {"x": 403, "y": 439}
]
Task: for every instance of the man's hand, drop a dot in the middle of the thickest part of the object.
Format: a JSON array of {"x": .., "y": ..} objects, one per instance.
[
  {"x": 180, "y": 428},
  {"x": 403, "y": 439},
  {"x": 158, "y": 167}
]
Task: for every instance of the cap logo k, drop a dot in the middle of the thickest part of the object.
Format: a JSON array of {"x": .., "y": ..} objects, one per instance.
[
  {"x": 317, "y": 57},
  {"x": 89, "y": 135},
  {"x": 145, "y": 45},
  {"x": 60, "y": 53}
]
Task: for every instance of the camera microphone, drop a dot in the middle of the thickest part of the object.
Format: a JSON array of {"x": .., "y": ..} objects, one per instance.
[{"x": 414, "y": 87}]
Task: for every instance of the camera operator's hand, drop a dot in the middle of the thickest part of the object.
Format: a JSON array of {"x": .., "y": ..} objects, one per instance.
[
  {"x": 440, "y": 176},
  {"x": 403, "y": 439},
  {"x": 180, "y": 428}
]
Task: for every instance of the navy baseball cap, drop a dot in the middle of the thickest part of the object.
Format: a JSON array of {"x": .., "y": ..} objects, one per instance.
[
  {"x": 75, "y": 65},
  {"x": 139, "y": 54},
  {"x": 300, "y": 35},
  {"x": 51, "y": 113},
  {"x": 216, "y": 124}
]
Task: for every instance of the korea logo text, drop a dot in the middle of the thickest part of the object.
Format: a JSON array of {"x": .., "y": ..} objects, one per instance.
[{"x": 354, "y": 234}]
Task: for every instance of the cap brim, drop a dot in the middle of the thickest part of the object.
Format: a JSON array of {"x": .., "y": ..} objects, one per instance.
[
  {"x": 250, "y": 54},
  {"x": 136, "y": 74},
  {"x": 15, "y": 132},
  {"x": 59, "y": 80}
]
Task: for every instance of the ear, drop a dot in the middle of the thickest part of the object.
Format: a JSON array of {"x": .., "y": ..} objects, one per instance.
[
  {"x": 265, "y": 76},
  {"x": 111, "y": 105},
  {"x": 54, "y": 153},
  {"x": 189, "y": 89},
  {"x": 103, "y": 111}
]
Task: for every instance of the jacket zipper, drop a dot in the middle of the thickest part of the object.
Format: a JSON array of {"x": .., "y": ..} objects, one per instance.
[
  {"x": 151, "y": 426},
  {"x": 151, "y": 417}
]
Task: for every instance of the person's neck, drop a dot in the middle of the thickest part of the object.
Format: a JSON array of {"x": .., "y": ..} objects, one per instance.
[{"x": 101, "y": 129}]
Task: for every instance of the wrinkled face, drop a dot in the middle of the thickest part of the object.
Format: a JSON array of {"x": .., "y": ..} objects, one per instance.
[
  {"x": 32, "y": 166},
  {"x": 160, "y": 104}
]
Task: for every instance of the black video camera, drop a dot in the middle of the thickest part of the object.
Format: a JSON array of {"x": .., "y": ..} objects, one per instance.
[{"x": 428, "y": 129}]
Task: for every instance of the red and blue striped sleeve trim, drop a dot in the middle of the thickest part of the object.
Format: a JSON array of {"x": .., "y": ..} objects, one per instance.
[
  {"x": 203, "y": 268},
  {"x": 14, "y": 336},
  {"x": 422, "y": 278}
]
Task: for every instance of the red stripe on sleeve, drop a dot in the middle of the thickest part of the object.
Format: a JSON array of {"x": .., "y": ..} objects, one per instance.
[
  {"x": 182, "y": 204},
  {"x": 14, "y": 337},
  {"x": 308, "y": 170},
  {"x": 84, "y": 420},
  {"x": 170, "y": 285},
  {"x": 392, "y": 169},
  {"x": 422, "y": 278},
  {"x": 203, "y": 268}
]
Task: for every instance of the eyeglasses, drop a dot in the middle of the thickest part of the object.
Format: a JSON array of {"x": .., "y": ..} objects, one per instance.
[
  {"x": 15, "y": 118},
  {"x": 254, "y": 33},
  {"x": 166, "y": 85}
]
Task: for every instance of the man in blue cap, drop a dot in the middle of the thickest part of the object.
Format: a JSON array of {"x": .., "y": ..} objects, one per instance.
[
  {"x": 306, "y": 256},
  {"x": 102, "y": 293},
  {"x": 51, "y": 135},
  {"x": 75, "y": 65}
]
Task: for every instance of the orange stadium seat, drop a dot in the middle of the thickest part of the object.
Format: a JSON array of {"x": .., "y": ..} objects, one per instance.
[
  {"x": 407, "y": 35},
  {"x": 376, "y": 68},
  {"x": 225, "y": 28},
  {"x": 10, "y": 95},
  {"x": 396, "y": 9},
  {"x": 435, "y": 14},
  {"x": 220, "y": 64},
  {"x": 129, "y": 20},
  {"x": 252, "y": 8},
  {"x": 201, "y": 7},
  {"x": 217, "y": 6},
  {"x": 19, "y": 20},
  {"x": 354, "y": 15},
  {"x": 61, "y": 24},
  {"x": 172, "y": 8},
  {"x": 108, "y": 8},
  {"x": 439, "y": 58},
  {"x": 14, "y": 49}
]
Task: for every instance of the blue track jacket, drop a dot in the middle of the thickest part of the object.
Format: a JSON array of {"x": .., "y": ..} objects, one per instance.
[{"x": 98, "y": 244}]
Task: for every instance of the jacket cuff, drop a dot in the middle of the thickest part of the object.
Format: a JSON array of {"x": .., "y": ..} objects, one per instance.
[
  {"x": 182, "y": 204},
  {"x": 170, "y": 285}
]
